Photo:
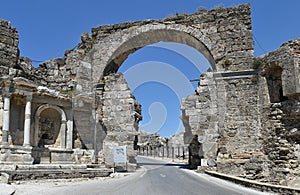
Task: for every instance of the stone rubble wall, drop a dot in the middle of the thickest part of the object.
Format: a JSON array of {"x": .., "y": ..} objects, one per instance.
[
  {"x": 281, "y": 130},
  {"x": 281, "y": 140},
  {"x": 9, "y": 52},
  {"x": 55, "y": 74}
]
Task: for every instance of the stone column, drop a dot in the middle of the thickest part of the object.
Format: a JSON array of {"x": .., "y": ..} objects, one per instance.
[
  {"x": 63, "y": 134},
  {"x": 27, "y": 121},
  {"x": 70, "y": 132},
  {"x": 5, "y": 125}
]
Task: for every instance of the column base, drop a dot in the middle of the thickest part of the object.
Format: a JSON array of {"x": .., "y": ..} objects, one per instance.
[{"x": 4, "y": 137}]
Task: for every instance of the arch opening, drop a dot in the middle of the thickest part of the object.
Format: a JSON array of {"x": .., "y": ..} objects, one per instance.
[{"x": 160, "y": 75}]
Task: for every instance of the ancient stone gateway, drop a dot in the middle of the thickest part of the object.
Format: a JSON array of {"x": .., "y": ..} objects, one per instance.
[
  {"x": 245, "y": 113},
  {"x": 222, "y": 41}
]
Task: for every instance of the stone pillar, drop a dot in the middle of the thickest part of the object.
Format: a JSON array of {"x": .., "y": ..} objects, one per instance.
[
  {"x": 63, "y": 134},
  {"x": 27, "y": 121},
  {"x": 70, "y": 132},
  {"x": 6, "y": 113}
]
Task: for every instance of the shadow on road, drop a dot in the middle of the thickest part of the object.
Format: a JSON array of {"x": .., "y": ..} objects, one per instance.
[{"x": 181, "y": 166}]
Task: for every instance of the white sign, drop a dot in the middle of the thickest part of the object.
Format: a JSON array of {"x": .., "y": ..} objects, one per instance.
[{"x": 120, "y": 154}]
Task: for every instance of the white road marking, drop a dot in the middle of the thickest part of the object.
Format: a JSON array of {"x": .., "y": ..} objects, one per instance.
[
  {"x": 162, "y": 175},
  {"x": 143, "y": 173}
]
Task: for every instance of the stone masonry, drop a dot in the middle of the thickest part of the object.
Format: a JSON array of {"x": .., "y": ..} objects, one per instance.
[
  {"x": 8, "y": 47},
  {"x": 121, "y": 115},
  {"x": 244, "y": 114},
  {"x": 256, "y": 134}
]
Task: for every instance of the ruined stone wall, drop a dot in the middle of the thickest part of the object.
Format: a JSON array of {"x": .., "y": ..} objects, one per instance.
[
  {"x": 199, "y": 114},
  {"x": 9, "y": 52},
  {"x": 257, "y": 139},
  {"x": 287, "y": 57},
  {"x": 281, "y": 115},
  {"x": 55, "y": 74},
  {"x": 280, "y": 141},
  {"x": 121, "y": 114},
  {"x": 225, "y": 115},
  {"x": 241, "y": 134}
]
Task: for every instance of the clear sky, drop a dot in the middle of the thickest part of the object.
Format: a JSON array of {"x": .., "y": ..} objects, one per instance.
[{"x": 48, "y": 28}]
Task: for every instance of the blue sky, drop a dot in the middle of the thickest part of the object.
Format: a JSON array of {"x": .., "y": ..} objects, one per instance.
[{"x": 48, "y": 28}]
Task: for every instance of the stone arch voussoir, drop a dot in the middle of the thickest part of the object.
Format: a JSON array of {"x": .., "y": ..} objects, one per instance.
[{"x": 122, "y": 43}]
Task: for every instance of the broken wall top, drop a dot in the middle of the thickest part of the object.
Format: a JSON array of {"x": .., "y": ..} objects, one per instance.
[
  {"x": 287, "y": 57},
  {"x": 9, "y": 52}
]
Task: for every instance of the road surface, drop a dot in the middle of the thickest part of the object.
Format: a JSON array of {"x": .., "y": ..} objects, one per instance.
[{"x": 155, "y": 177}]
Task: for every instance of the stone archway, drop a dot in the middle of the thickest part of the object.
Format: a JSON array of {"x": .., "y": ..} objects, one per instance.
[
  {"x": 50, "y": 124},
  {"x": 223, "y": 36},
  {"x": 224, "y": 41},
  {"x": 154, "y": 36}
]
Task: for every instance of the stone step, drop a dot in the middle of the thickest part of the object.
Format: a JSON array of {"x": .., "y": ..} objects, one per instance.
[{"x": 50, "y": 171}]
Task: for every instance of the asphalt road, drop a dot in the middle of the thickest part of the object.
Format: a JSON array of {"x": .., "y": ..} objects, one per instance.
[{"x": 155, "y": 177}]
